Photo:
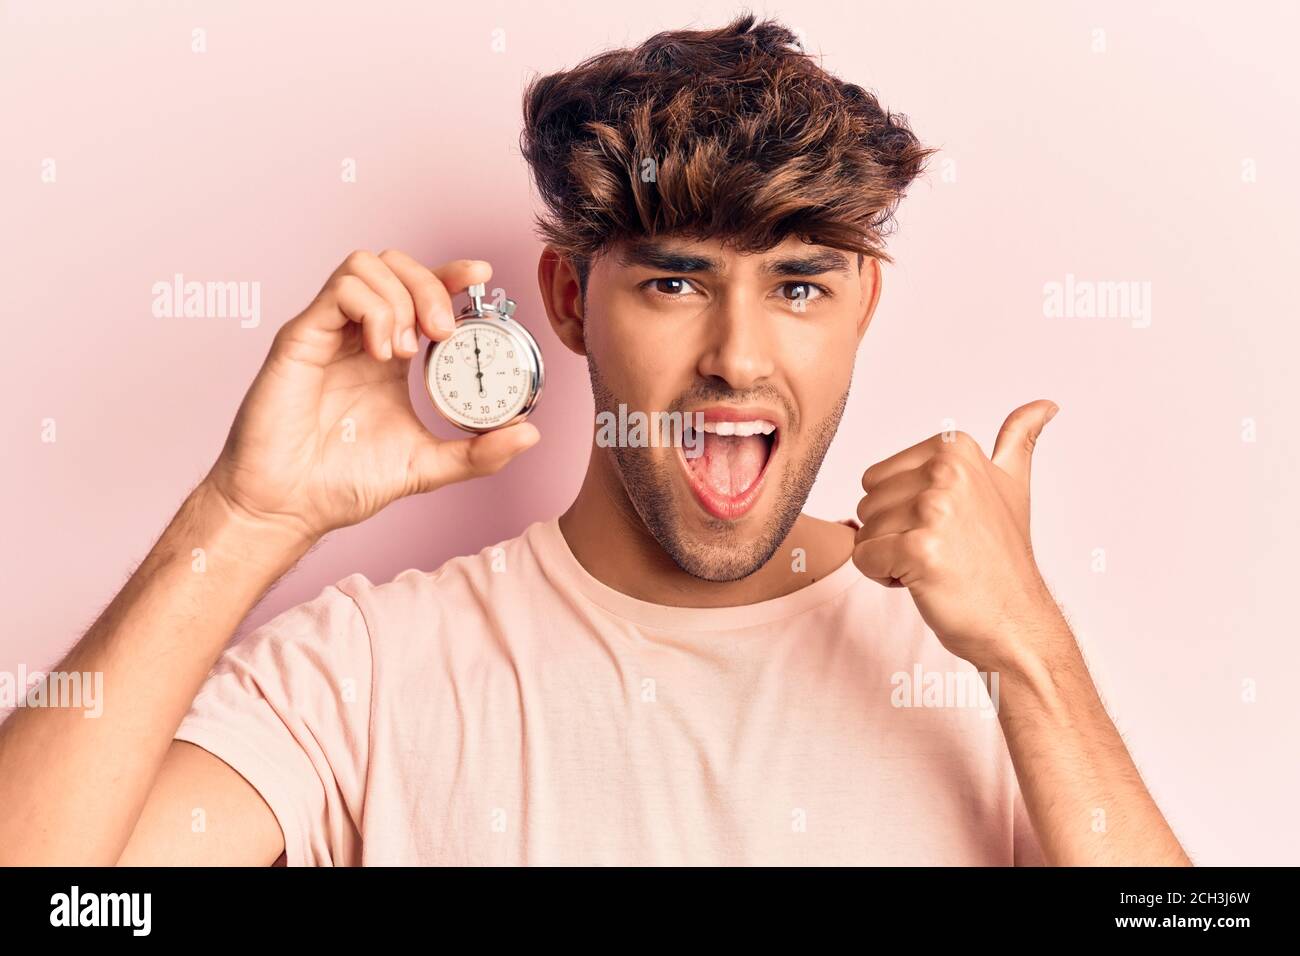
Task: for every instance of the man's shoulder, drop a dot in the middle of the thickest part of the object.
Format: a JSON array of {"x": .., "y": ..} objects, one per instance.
[{"x": 496, "y": 567}]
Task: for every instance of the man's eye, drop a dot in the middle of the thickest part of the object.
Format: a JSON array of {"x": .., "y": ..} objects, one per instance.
[
  {"x": 673, "y": 286},
  {"x": 802, "y": 291}
]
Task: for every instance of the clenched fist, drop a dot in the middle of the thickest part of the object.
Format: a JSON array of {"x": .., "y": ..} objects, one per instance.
[{"x": 952, "y": 526}]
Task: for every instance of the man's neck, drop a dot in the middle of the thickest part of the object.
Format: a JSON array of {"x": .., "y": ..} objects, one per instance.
[{"x": 611, "y": 542}]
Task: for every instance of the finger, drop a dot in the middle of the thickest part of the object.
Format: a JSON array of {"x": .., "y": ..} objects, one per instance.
[
  {"x": 459, "y": 274},
  {"x": 441, "y": 463},
  {"x": 901, "y": 517},
  {"x": 1014, "y": 448},
  {"x": 892, "y": 491},
  {"x": 377, "y": 274},
  {"x": 433, "y": 308},
  {"x": 905, "y": 460},
  {"x": 878, "y": 559},
  {"x": 918, "y": 454},
  {"x": 358, "y": 302}
]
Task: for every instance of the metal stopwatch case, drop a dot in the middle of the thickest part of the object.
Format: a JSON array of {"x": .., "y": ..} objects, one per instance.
[{"x": 488, "y": 373}]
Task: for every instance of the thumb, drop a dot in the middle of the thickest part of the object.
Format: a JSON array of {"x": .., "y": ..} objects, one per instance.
[
  {"x": 1014, "y": 447},
  {"x": 439, "y": 463}
]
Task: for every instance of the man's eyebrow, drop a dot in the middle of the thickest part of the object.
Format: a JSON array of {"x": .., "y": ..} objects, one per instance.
[
  {"x": 653, "y": 256},
  {"x": 827, "y": 260},
  {"x": 665, "y": 260}
]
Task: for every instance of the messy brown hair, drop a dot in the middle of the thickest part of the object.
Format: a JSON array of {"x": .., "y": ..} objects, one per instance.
[{"x": 732, "y": 134}]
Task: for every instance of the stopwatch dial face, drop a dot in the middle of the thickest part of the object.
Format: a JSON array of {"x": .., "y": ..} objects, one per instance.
[{"x": 482, "y": 375}]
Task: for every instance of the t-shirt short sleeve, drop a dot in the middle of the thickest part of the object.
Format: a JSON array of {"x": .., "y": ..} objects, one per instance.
[{"x": 288, "y": 707}]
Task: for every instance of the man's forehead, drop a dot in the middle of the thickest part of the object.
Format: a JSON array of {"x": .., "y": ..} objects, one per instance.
[{"x": 792, "y": 256}]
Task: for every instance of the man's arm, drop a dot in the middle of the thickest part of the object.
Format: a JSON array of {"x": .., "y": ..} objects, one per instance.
[
  {"x": 117, "y": 788},
  {"x": 72, "y": 787},
  {"x": 239, "y": 828},
  {"x": 1085, "y": 798},
  {"x": 952, "y": 526}
]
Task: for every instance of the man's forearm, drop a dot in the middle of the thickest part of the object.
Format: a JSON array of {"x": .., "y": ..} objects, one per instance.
[
  {"x": 1084, "y": 795},
  {"x": 72, "y": 787}
]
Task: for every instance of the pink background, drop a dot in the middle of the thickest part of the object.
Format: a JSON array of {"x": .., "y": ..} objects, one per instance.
[{"x": 1117, "y": 165}]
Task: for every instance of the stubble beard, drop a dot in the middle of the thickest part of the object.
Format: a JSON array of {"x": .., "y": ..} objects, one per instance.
[{"x": 726, "y": 555}]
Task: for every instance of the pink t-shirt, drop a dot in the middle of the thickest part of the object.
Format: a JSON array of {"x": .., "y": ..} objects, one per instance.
[{"x": 509, "y": 708}]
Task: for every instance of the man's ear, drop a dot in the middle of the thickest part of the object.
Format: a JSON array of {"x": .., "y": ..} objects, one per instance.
[
  {"x": 562, "y": 298},
  {"x": 871, "y": 278}
]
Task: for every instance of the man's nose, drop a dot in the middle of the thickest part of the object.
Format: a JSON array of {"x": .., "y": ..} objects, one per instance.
[{"x": 740, "y": 344}]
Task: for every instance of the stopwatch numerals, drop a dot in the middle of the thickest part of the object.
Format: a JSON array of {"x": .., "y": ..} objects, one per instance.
[{"x": 485, "y": 374}]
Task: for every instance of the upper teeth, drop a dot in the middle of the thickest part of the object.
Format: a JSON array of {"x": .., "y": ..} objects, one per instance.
[{"x": 757, "y": 427}]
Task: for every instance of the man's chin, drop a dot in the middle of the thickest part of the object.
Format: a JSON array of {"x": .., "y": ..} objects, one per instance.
[
  {"x": 710, "y": 562},
  {"x": 717, "y": 549}
]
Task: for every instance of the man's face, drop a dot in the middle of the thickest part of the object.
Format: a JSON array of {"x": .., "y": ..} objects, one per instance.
[{"x": 763, "y": 345}]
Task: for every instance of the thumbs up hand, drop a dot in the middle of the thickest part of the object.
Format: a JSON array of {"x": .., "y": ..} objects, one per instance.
[{"x": 952, "y": 526}]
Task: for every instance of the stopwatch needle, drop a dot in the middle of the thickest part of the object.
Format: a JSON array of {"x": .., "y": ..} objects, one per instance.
[{"x": 478, "y": 369}]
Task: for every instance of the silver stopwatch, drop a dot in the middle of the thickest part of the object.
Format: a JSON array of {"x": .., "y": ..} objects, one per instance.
[{"x": 488, "y": 373}]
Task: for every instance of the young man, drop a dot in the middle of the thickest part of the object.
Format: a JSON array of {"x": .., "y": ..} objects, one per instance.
[{"x": 681, "y": 668}]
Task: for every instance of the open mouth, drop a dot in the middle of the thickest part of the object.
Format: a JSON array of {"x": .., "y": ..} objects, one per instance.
[{"x": 727, "y": 476}]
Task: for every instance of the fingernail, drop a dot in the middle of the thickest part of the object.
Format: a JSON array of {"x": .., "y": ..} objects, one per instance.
[
  {"x": 1051, "y": 414},
  {"x": 386, "y": 350},
  {"x": 409, "y": 342},
  {"x": 444, "y": 321}
]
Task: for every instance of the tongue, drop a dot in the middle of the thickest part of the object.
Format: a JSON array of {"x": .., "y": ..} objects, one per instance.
[{"x": 729, "y": 464}]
